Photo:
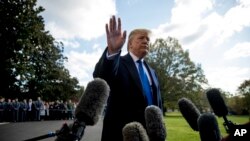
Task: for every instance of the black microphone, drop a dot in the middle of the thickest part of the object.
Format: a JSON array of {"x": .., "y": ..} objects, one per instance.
[
  {"x": 134, "y": 131},
  {"x": 89, "y": 108},
  {"x": 154, "y": 123},
  {"x": 208, "y": 127},
  {"x": 87, "y": 112},
  {"x": 190, "y": 112},
  {"x": 217, "y": 102},
  {"x": 92, "y": 101},
  {"x": 219, "y": 107}
]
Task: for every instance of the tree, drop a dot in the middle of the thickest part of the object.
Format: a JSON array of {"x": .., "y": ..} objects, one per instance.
[
  {"x": 244, "y": 90},
  {"x": 178, "y": 75},
  {"x": 236, "y": 105},
  {"x": 32, "y": 61}
]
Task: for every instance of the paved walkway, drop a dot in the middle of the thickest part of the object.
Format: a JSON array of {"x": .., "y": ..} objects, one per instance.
[{"x": 25, "y": 130}]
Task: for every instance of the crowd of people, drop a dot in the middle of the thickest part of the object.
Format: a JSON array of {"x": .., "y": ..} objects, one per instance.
[{"x": 13, "y": 110}]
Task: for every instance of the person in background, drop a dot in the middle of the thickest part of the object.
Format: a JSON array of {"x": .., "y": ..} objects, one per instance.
[
  {"x": 57, "y": 111},
  {"x": 62, "y": 109},
  {"x": 31, "y": 110},
  {"x": 46, "y": 104},
  {"x": 134, "y": 84},
  {"x": 8, "y": 109},
  {"x": 16, "y": 106},
  {"x": 42, "y": 111},
  {"x": 2, "y": 109},
  {"x": 70, "y": 107},
  {"x": 23, "y": 110},
  {"x": 38, "y": 107},
  {"x": 52, "y": 110}
]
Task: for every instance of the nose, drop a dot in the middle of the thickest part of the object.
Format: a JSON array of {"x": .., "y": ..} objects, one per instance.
[{"x": 145, "y": 41}]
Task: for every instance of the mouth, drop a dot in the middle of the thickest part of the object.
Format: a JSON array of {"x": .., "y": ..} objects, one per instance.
[
  {"x": 146, "y": 49},
  {"x": 145, "y": 46}
]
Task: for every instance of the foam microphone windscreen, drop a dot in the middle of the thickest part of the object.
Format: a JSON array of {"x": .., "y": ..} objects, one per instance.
[
  {"x": 217, "y": 102},
  {"x": 92, "y": 101},
  {"x": 134, "y": 131},
  {"x": 190, "y": 112},
  {"x": 208, "y": 128},
  {"x": 154, "y": 123}
]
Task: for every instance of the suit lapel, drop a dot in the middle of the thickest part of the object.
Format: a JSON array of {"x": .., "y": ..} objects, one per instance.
[
  {"x": 152, "y": 74},
  {"x": 130, "y": 65},
  {"x": 133, "y": 70}
]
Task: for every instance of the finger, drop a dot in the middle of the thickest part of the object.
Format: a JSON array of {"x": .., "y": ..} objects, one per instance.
[
  {"x": 107, "y": 31},
  {"x": 111, "y": 25},
  {"x": 119, "y": 25},
  {"x": 114, "y": 23},
  {"x": 124, "y": 36}
]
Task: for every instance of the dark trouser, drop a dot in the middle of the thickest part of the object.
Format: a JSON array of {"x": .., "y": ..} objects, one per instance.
[
  {"x": 8, "y": 115},
  {"x": 22, "y": 115},
  {"x": 70, "y": 114},
  {"x": 37, "y": 115},
  {"x": 15, "y": 114},
  {"x": 1, "y": 115},
  {"x": 30, "y": 115}
]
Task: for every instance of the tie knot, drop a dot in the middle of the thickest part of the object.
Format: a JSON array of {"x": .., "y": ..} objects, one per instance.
[{"x": 139, "y": 61}]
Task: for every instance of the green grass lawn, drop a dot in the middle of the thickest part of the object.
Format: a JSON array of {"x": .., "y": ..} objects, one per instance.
[{"x": 179, "y": 130}]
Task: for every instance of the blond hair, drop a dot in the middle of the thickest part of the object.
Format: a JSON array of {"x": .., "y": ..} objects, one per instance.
[{"x": 137, "y": 31}]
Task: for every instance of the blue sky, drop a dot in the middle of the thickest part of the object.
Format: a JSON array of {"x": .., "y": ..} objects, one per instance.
[{"x": 216, "y": 32}]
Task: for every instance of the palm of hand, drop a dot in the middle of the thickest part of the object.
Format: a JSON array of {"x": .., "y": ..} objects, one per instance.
[{"x": 115, "y": 38}]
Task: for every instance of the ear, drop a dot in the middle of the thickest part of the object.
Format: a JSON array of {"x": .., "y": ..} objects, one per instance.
[{"x": 129, "y": 45}]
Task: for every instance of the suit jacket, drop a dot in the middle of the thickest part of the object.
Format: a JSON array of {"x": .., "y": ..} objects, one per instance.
[{"x": 127, "y": 101}]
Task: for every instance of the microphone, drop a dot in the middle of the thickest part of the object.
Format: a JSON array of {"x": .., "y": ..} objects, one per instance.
[
  {"x": 89, "y": 108},
  {"x": 208, "y": 127},
  {"x": 134, "y": 131},
  {"x": 217, "y": 102},
  {"x": 92, "y": 101},
  {"x": 219, "y": 107},
  {"x": 87, "y": 112},
  {"x": 190, "y": 112},
  {"x": 154, "y": 123}
]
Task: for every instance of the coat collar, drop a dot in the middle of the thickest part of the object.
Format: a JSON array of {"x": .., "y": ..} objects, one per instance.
[{"x": 130, "y": 64}]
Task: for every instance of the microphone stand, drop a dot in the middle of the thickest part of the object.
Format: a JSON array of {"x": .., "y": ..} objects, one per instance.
[
  {"x": 228, "y": 125},
  {"x": 64, "y": 130},
  {"x": 65, "y": 133}
]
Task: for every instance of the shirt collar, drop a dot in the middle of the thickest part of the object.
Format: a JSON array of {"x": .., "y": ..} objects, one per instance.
[{"x": 135, "y": 58}]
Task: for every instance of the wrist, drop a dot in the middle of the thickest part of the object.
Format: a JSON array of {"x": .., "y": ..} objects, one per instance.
[{"x": 112, "y": 51}]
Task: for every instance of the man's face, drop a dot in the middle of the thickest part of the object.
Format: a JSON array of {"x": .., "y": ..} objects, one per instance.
[{"x": 139, "y": 44}]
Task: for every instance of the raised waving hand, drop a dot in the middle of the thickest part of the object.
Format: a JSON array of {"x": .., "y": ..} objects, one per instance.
[{"x": 115, "y": 36}]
